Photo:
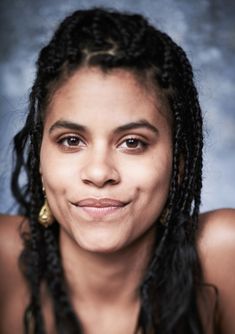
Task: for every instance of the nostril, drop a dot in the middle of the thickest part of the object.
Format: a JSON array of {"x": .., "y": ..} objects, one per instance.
[
  {"x": 101, "y": 183},
  {"x": 99, "y": 174}
]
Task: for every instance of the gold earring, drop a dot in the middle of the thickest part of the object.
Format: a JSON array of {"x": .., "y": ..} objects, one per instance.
[{"x": 45, "y": 217}]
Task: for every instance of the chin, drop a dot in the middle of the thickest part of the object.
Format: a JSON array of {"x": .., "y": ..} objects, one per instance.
[
  {"x": 101, "y": 246},
  {"x": 102, "y": 249}
]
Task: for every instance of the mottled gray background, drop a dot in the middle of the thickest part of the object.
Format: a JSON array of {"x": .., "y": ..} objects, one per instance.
[{"x": 205, "y": 29}]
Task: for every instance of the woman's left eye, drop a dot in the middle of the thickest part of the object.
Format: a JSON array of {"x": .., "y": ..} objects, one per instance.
[{"x": 134, "y": 144}]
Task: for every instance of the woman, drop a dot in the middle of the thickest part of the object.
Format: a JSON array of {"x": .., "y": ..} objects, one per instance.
[{"x": 112, "y": 151}]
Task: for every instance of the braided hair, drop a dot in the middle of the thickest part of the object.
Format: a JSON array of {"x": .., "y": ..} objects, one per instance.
[{"x": 108, "y": 39}]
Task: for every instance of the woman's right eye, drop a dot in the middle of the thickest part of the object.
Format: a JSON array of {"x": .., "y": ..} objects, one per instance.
[{"x": 70, "y": 142}]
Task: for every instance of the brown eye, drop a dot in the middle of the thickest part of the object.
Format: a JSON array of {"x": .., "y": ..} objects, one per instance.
[
  {"x": 133, "y": 145},
  {"x": 71, "y": 141}
]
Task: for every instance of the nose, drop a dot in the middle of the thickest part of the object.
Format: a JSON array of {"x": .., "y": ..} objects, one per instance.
[{"x": 100, "y": 170}]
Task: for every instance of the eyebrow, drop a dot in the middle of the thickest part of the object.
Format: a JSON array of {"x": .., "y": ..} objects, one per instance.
[
  {"x": 63, "y": 124},
  {"x": 142, "y": 123}
]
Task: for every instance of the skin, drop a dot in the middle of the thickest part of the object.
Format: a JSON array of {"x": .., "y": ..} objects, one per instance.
[
  {"x": 105, "y": 255},
  {"x": 102, "y": 161}
]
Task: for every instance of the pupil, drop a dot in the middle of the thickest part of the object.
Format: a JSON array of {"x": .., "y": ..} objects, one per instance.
[
  {"x": 132, "y": 142},
  {"x": 73, "y": 141}
]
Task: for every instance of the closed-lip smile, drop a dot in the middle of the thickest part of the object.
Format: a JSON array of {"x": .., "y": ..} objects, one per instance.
[
  {"x": 98, "y": 208},
  {"x": 100, "y": 203}
]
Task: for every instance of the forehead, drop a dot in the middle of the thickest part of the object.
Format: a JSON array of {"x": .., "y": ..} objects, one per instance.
[{"x": 117, "y": 94}]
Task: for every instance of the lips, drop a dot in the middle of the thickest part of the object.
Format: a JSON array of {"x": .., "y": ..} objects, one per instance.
[
  {"x": 100, "y": 203},
  {"x": 100, "y": 208}
]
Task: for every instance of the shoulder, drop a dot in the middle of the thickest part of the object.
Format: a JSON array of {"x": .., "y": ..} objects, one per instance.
[
  {"x": 10, "y": 233},
  {"x": 11, "y": 245},
  {"x": 215, "y": 227},
  {"x": 216, "y": 244},
  {"x": 10, "y": 222},
  {"x": 14, "y": 295},
  {"x": 216, "y": 248},
  {"x": 217, "y": 232}
]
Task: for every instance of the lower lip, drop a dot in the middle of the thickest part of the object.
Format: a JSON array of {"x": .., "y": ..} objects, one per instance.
[{"x": 95, "y": 212}]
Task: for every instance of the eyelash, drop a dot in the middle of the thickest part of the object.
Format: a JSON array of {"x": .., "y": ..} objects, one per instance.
[
  {"x": 133, "y": 139},
  {"x": 143, "y": 144},
  {"x": 67, "y": 146},
  {"x": 60, "y": 141}
]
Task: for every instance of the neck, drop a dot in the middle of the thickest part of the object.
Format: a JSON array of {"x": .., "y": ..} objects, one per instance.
[{"x": 105, "y": 279}]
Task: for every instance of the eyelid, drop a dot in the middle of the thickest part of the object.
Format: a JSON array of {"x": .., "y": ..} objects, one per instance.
[
  {"x": 143, "y": 144},
  {"x": 69, "y": 135},
  {"x": 134, "y": 136},
  {"x": 70, "y": 148}
]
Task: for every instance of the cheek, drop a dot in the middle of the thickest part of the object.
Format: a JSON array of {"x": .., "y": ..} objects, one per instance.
[
  {"x": 56, "y": 172},
  {"x": 152, "y": 181},
  {"x": 151, "y": 175}
]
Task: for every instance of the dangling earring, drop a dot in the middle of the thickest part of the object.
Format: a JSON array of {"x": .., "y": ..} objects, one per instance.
[{"x": 45, "y": 217}]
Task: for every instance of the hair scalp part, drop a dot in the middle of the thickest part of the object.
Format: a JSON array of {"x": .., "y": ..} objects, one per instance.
[{"x": 109, "y": 40}]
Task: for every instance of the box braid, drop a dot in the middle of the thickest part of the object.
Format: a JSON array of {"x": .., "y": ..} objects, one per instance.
[
  {"x": 108, "y": 39},
  {"x": 40, "y": 258}
]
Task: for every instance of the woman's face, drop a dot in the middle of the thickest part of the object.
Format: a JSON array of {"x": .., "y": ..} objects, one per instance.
[{"x": 106, "y": 159}]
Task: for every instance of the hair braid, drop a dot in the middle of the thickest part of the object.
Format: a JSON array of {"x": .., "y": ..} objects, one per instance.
[
  {"x": 162, "y": 236},
  {"x": 190, "y": 96},
  {"x": 65, "y": 317},
  {"x": 31, "y": 199},
  {"x": 192, "y": 161},
  {"x": 32, "y": 257}
]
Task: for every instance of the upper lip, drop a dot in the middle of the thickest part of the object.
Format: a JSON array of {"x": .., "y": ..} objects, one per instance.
[{"x": 100, "y": 202}]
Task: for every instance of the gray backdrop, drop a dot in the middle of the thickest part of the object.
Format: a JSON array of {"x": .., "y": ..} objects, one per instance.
[{"x": 205, "y": 29}]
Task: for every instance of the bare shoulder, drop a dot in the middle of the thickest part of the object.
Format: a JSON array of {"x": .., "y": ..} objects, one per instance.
[
  {"x": 10, "y": 222},
  {"x": 216, "y": 225},
  {"x": 13, "y": 288},
  {"x": 217, "y": 232},
  {"x": 10, "y": 234},
  {"x": 11, "y": 245},
  {"x": 216, "y": 247}
]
